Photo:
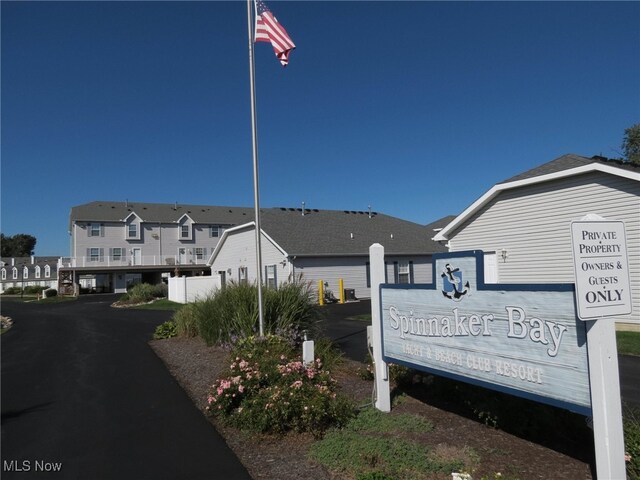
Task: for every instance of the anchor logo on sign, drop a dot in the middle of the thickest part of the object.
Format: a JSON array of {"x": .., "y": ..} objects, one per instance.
[{"x": 452, "y": 285}]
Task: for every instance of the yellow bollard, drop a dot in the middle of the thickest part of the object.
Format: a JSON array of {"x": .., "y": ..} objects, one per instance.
[
  {"x": 320, "y": 292},
  {"x": 341, "y": 287}
]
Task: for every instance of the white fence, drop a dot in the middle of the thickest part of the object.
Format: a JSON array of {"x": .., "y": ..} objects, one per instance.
[{"x": 189, "y": 289}]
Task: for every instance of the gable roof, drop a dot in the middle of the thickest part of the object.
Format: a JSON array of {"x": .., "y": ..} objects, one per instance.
[
  {"x": 561, "y": 167},
  {"x": 339, "y": 233},
  {"x": 104, "y": 211}
]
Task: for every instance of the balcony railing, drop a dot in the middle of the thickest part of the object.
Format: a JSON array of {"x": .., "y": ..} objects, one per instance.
[{"x": 131, "y": 260}]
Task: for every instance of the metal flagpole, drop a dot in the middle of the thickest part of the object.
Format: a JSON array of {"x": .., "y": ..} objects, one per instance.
[{"x": 256, "y": 189}]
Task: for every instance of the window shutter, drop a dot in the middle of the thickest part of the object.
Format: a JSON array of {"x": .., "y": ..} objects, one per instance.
[
  {"x": 102, "y": 229},
  {"x": 367, "y": 267},
  {"x": 275, "y": 277},
  {"x": 102, "y": 254},
  {"x": 411, "y": 279},
  {"x": 396, "y": 276},
  {"x": 386, "y": 273}
]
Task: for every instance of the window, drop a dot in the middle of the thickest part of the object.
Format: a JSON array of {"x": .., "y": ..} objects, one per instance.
[
  {"x": 95, "y": 230},
  {"x": 184, "y": 231},
  {"x": 271, "y": 277},
  {"x": 25, "y": 272},
  {"x": 117, "y": 254},
  {"x": 94, "y": 254},
  {"x": 403, "y": 272},
  {"x": 4, "y": 274},
  {"x": 47, "y": 271},
  {"x": 242, "y": 274},
  {"x": 38, "y": 272},
  {"x": 216, "y": 231},
  {"x": 200, "y": 253},
  {"x": 15, "y": 273},
  {"x": 132, "y": 231}
]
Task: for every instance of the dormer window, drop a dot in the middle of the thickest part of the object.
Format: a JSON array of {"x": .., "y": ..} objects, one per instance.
[
  {"x": 132, "y": 230},
  {"x": 15, "y": 273},
  {"x": 47, "y": 271},
  {"x": 133, "y": 227},
  {"x": 25, "y": 272},
  {"x": 38, "y": 272},
  {"x": 185, "y": 228},
  {"x": 4, "y": 274}
]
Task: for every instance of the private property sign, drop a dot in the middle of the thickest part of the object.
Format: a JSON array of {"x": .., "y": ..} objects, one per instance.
[
  {"x": 601, "y": 268},
  {"x": 520, "y": 339}
]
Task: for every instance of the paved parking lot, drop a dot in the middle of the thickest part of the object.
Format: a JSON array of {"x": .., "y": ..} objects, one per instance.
[{"x": 83, "y": 391}]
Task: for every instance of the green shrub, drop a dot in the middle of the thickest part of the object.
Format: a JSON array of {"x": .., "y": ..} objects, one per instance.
[
  {"x": 233, "y": 312},
  {"x": 186, "y": 320},
  {"x": 631, "y": 427},
  {"x": 165, "y": 330},
  {"x": 361, "y": 455},
  {"x": 34, "y": 289},
  {"x": 144, "y": 292},
  {"x": 269, "y": 390},
  {"x": 13, "y": 291},
  {"x": 51, "y": 292}
]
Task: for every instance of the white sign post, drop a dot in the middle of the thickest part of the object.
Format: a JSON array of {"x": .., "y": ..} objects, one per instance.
[{"x": 603, "y": 290}]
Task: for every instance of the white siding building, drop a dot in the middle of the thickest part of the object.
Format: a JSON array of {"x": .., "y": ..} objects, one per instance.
[
  {"x": 325, "y": 245},
  {"x": 115, "y": 244},
  {"x": 523, "y": 224}
]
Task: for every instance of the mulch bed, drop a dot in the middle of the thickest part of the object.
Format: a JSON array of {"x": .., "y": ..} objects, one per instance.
[{"x": 196, "y": 366}]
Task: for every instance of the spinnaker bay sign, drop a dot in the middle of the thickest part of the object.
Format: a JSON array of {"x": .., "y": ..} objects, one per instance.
[{"x": 521, "y": 339}]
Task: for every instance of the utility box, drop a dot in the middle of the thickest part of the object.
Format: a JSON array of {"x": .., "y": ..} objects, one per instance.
[{"x": 350, "y": 294}]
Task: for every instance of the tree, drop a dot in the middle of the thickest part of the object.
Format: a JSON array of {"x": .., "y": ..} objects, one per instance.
[
  {"x": 631, "y": 144},
  {"x": 20, "y": 245}
]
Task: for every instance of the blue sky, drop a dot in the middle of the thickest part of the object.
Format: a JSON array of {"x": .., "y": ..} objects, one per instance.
[{"x": 414, "y": 108}]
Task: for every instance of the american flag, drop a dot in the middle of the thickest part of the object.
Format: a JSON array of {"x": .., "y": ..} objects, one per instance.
[{"x": 269, "y": 30}]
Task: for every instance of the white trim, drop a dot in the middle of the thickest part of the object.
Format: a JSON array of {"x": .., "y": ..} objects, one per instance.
[
  {"x": 443, "y": 235},
  {"x": 125, "y": 219},
  {"x": 244, "y": 226},
  {"x": 185, "y": 215}
]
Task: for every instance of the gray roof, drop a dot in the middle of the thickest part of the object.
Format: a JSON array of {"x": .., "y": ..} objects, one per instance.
[
  {"x": 318, "y": 232},
  {"x": 30, "y": 261},
  {"x": 567, "y": 162},
  {"x": 329, "y": 233},
  {"x": 103, "y": 211},
  {"x": 440, "y": 223}
]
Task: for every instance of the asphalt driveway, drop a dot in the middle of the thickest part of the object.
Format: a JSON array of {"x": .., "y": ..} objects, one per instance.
[{"x": 83, "y": 393}]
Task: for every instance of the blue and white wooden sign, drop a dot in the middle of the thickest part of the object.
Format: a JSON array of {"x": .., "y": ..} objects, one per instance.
[{"x": 521, "y": 339}]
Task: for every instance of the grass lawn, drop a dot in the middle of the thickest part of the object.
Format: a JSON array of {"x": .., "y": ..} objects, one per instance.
[
  {"x": 628, "y": 343},
  {"x": 162, "y": 304}
]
